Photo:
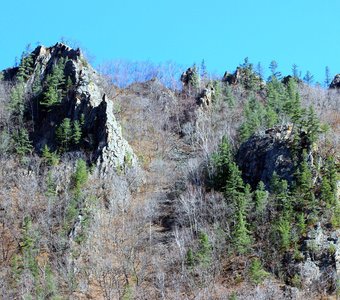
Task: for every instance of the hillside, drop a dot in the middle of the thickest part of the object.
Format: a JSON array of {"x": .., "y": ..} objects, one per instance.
[{"x": 224, "y": 189}]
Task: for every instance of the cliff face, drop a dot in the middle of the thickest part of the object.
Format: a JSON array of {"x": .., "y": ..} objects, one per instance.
[
  {"x": 82, "y": 99},
  {"x": 263, "y": 154}
]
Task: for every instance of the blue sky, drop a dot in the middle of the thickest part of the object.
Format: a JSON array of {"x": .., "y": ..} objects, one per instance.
[{"x": 222, "y": 32}]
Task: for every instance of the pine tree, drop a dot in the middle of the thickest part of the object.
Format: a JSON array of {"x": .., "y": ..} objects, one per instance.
[
  {"x": 221, "y": 163},
  {"x": 235, "y": 188},
  {"x": 327, "y": 77},
  {"x": 241, "y": 235},
  {"x": 284, "y": 230},
  {"x": 64, "y": 134},
  {"x": 54, "y": 83},
  {"x": 255, "y": 118},
  {"x": 257, "y": 274},
  {"x": 304, "y": 185},
  {"x": 312, "y": 126},
  {"x": 260, "y": 197},
  {"x": 77, "y": 132},
  {"x": 203, "y": 255},
  {"x": 203, "y": 70},
  {"x": 16, "y": 104},
  {"x": 301, "y": 223},
  {"x": 259, "y": 71},
  {"x": 273, "y": 69},
  {"x": 295, "y": 72},
  {"x": 329, "y": 183},
  {"x": 276, "y": 95},
  {"x": 80, "y": 175},
  {"x": 229, "y": 97},
  {"x": 248, "y": 78},
  {"x": 292, "y": 105},
  {"x": 271, "y": 118},
  {"x": 25, "y": 67},
  {"x": 190, "y": 259},
  {"x": 50, "y": 186},
  {"x": 308, "y": 78},
  {"x": 51, "y": 158},
  {"x": 22, "y": 143}
]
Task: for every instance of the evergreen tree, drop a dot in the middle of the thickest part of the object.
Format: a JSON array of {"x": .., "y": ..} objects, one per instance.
[
  {"x": 273, "y": 69},
  {"x": 276, "y": 97},
  {"x": 229, "y": 97},
  {"x": 259, "y": 70},
  {"x": 203, "y": 70},
  {"x": 284, "y": 230},
  {"x": 22, "y": 143},
  {"x": 81, "y": 175},
  {"x": 327, "y": 77},
  {"x": 64, "y": 134},
  {"x": 329, "y": 183},
  {"x": 260, "y": 197},
  {"x": 271, "y": 118},
  {"x": 50, "y": 185},
  {"x": 241, "y": 235},
  {"x": 255, "y": 118},
  {"x": 25, "y": 67},
  {"x": 292, "y": 105},
  {"x": 221, "y": 161},
  {"x": 301, "y": 223},
  {"x": 308, "y": 78},
  {"x": 190, "y": 259},
  {"x": 51, "y": 158},
  {"x": 54, "y": 83},
  {"x": 235, "y": 188},
  {"x": 304, "y": 185},
  {"x": 77, "y": 133},
  {"x": 295, "y": 72},
  {"x": 248, "y": 78},
  {"x": 204, "y": 252},
  {"x": 195, "y": 80},
  {"x": 16, "y": 104},
  {"x": 257, "y": 274},
  {"x": 312, "y": 126}
]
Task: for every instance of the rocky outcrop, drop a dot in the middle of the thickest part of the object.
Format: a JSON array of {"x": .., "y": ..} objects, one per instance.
[
  {"x": 265, "y": 153},
  {"x": 320, "y": 267},
  {"x": 232, "y": 78},
  {"x": 206, "y": 96},
  {"x": 335, "y": 84},
  {"x": 188, "y": 76},
  {"x": 83, "y": 100}
]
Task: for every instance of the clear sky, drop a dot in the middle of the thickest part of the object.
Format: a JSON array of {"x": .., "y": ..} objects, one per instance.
[{"x": 223, "y": 32}]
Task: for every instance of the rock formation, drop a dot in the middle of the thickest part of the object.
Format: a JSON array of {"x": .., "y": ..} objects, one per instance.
[
  {"x": 319, "y": 267},
  {"x": 206, "y": 96},
  {"x": 188, "y": 76},
  {"x": 335, "y": 84},
  {"x": 263, "y": 154},
  {"x": 232, "y": 78},
  {"x": 83, "y": 99}
]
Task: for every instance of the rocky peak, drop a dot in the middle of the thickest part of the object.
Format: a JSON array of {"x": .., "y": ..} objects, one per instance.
[{"x": 81, "y": 99}]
